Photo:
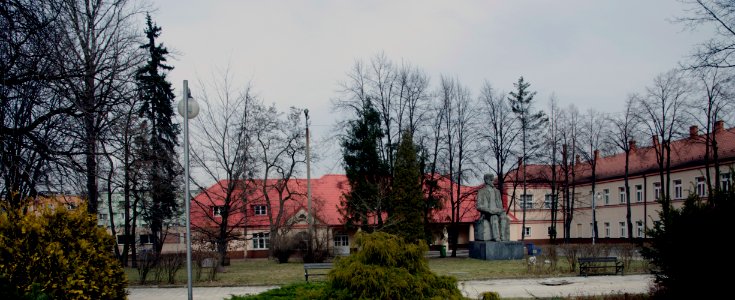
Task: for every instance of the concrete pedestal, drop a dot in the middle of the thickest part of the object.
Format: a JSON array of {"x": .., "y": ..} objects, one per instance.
[{"x": 489, "y": 250}]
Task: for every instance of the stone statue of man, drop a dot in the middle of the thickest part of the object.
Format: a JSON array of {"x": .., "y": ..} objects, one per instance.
[{"x": 493, "y": 224}]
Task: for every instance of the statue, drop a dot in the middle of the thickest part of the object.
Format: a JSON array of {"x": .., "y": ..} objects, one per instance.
[{"x": 493, "y": 224}]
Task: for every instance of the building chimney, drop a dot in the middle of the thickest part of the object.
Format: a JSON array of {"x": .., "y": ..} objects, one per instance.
[
  {"x": 655, "y": 141},
  {"x": 632, "y": 146},
  {"x": 597, "y": 155},
  {"x": 719, "y": 126},
  {"x": 578, "y": 159},
  {"x": 693, "y": 131}
]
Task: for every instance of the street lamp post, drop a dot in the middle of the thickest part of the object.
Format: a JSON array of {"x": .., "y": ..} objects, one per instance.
[
  {"x": 188, "y": 108},
  {"x": 594, "y": 216}
]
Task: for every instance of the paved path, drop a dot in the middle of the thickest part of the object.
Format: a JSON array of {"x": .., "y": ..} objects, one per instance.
[
  {"x": 529, "y": 288},
  {"x": 200, "y": 293},
  {"x": 558, "y": 286}
]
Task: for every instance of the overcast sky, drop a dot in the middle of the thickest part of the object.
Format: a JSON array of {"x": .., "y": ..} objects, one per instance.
[{"x": 589, "y": 53}]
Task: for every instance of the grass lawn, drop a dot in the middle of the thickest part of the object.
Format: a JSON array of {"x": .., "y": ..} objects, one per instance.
[{"x": 268, "y": 272}]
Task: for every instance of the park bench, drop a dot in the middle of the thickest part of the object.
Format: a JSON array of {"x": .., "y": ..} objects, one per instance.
[
  {"x": 314, "y": 269},
  {"x": 590, "y": 265}
]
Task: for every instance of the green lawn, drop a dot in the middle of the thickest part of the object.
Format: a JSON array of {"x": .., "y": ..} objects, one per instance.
[{"x": 268, "y": 272}]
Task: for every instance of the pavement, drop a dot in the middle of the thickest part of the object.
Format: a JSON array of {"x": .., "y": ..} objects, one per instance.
[{"x": 517, "y": 288}]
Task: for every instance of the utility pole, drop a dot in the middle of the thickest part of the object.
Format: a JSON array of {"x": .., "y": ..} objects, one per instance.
[{"x": 309, "y": 218}]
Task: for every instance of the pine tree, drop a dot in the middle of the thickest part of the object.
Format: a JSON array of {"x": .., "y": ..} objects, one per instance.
[
  {"x": 406, "y": 194},
  {"x": 521, "y": 101},
  {"x": 161, "y": 136},
  {"x": 366, "y": 171}
]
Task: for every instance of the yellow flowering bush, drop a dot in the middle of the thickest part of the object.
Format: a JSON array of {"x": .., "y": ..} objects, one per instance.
[{"x": 62, "y": 254}]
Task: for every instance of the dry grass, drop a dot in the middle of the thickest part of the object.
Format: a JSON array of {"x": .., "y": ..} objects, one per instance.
[{"x": 268, "y": 272}]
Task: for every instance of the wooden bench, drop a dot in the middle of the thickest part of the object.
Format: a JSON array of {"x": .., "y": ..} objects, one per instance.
[
  {"x": 314, "y": 267},
  {"x": 587, "y": 264}
]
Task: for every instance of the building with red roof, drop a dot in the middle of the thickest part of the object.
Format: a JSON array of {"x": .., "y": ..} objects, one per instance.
[
  {"x": 255, "y": 205},
  {"x": 688, "y": 176}
]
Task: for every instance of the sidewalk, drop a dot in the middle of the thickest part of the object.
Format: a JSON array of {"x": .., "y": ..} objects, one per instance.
[
  {"x": 526, "y": 288},
  {"x": 558, "y": 286}
]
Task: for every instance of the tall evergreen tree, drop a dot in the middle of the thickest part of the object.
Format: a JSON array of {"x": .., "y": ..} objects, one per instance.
[
  {"x": 521, "y": 101},
  {"x": 366, "y": 172},
  {"x": 406, "y": 194},
  {"x": 161, "y": 136}
]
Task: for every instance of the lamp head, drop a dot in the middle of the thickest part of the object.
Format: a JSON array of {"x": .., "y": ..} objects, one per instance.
[{"x": 193, "y": 107}]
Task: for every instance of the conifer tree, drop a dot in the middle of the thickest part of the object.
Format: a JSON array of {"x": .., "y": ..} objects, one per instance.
[
  {"x": 407, "y": 196},
  {"x": 161, "y": 136},
  {"x": 521, "y": 101},
  {"x": 366, "y": 172}
]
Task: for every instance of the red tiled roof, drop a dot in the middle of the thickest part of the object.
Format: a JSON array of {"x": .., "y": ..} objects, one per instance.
[
  {"x": 327, "y": 193},
  {"x": 684, "y": 153}
]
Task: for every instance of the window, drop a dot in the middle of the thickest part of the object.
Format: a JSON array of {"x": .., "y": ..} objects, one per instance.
[
  {"x": 527, "y": 201},
  {"x": 607, "y": 229},
  {"x": 639, "y": 193},
  {"x": 526, "y": 231},
  {"x": 579, "y": 230},
  {"x": 146, "y": 239},
  {"x": 656, "y": 190},
  {"x": 606, "y": 196},
  {"x": 677, "y": 189},
  {"x": 259, "y": 210},
  {"x": 623, "y": 230},
  {"x": 102, "y": 218},
  {"x": 701, "y": 190},
  {"x": 261, "y": 240},
  {"x": 218, "y": 210},
  {"x": 341, "y": 240},
  {"x": 639, "y": 228},
  {"x": 622, "y": 194},
  {"x": 725, "y": 181},
  {"x": 548, "y": 200}
]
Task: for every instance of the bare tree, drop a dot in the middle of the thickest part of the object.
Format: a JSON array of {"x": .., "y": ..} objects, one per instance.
[
  {"x": 720, "y": 14},
  {"x": 501, "y": 132},
  {"x": 569, "y": 131},
  {"x": 592, "y": 143},
  {"x": 34, "y": 129},
  {"x": 460, "y": 136},
  {"x": 622, "y": 136},
  {"x": 98, "y": 45},
  {"x": 712, "y": 101},
  {"x": 280, "y": 151},
  {"x": 400, "y": 94},
  {"x": 662, "y": 113},
  {"x": 223, "y": 153},
  {"x": 554, "y": 141}
]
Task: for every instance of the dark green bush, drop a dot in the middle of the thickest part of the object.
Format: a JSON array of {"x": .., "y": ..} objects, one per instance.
[
  {"x": 58, "y": 255},
  {"x": 686, "y": 249},
  {"x": 490, "y": 296},
  {"x": 386, "y": 267}
]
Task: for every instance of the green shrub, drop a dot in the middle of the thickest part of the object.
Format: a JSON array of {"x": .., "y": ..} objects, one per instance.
[
  {"x": 61, "y": 255},
  {"x": 686, "y": 249},
  {"x": 386, "y": 267},
  {"x": 298, "y": 291}
]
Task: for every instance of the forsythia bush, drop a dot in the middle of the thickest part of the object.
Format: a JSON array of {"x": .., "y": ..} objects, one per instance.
[
  {"x": 62, "y": 254},
  {"x": 386, "y": 267}
]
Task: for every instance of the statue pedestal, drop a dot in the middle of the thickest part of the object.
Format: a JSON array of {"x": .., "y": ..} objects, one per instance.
[{"x": 490, "y": 250}]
